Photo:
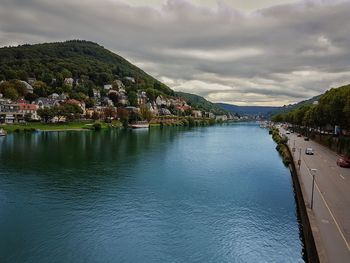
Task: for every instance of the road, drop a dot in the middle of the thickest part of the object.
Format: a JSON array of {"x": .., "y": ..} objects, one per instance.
[{"x": 331, "y": 206}]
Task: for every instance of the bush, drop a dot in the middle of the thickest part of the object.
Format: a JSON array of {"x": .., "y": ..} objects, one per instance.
[{"x": 97, "y": 126}]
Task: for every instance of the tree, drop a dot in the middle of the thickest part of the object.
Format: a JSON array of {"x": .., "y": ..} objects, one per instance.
[
  {"x": 47, "y": 78},
  {"x": 146, "y": 113},
  {"x": 30, "y": 97},
  {"x": 10, "y": 93},
  {"x": 89, "y": 102},
  {"x": 66, "y": 73},
  {"x": 151, "y": 94},
  {"x": 114, "y": 97},
  {"x": 132, "y": 96},
  {"x": 46, "y": 114},
  {"x": 110, "y": 113},
  {"x": 20, "y": 87},
  {"x": 22, "y": 75},
  {"x": 95, "y": 115},
  {"x": 123, "y": 115},
  {"x": 278, "y": 118},
  {"x": 10, "y": 74},
  {"x": 40, "y": 89}
]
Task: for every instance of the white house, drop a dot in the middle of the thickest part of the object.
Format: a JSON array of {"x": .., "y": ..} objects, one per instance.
[
  {"x": 221, "y": 118},
  {"x": 69, "y": 81},
  {"x": 130, "y": 79},
  {"x": 107, "y": 86},
  {"x": 197, "y": 113}
]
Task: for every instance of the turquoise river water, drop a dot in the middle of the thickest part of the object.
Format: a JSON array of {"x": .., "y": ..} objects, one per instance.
[{"x": 212, "y": 194}]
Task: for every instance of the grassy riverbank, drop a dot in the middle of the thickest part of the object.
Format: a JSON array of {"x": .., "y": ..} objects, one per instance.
[
  {"x": 281, "y": 146},
  {"x": 182, "y": 121},
  {"x": 38, "y": 126}
]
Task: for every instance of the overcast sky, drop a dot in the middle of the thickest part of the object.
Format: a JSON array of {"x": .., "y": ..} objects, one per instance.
[{"x": 245, "y": 52}]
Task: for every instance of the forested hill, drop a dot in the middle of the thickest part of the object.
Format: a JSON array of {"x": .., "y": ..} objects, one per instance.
[
  {"x": 76, "y": 59},
  {"x": 248, "y": 110},
  {"x": 331, "y": 108},
  {"x": 201, "y": 103}
]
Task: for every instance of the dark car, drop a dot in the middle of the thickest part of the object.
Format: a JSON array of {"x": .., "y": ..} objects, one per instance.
[
  {"x": 343, "y": 162},
  {"x": 306, "y": 139}
]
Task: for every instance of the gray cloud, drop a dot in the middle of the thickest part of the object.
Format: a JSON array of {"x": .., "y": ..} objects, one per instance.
[{"x": 276, "y": 55}]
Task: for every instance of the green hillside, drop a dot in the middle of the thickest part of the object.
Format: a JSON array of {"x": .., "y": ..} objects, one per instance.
[
  {"x": 77, "y": 59},
  {"x": 332, "y": 108},
  {"x": 201, "y": 103}
]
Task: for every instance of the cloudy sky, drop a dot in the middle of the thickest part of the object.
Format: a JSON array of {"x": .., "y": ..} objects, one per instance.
[{"x": 245, "y": 52}]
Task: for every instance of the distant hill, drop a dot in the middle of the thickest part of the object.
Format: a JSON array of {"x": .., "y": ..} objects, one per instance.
[
  {"x": 290, "y": 107},
  {"x": 74, "y": 58},
  {"x": 267, "y": 111},
  {"x": 248, "y": 110},
  {"x": 201, "y": 103}
]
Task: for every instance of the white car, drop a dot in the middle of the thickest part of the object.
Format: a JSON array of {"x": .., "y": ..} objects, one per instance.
[
  {"x": 287, "y": 132},
  {"x": 309, "y": 151}
]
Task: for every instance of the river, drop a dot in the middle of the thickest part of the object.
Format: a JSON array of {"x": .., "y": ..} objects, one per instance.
[{"x": 209, "y": 194}]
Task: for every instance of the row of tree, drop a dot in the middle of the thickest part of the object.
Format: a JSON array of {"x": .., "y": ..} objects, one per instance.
[
  {"x": 333, "y": 108},
  {"x": 62, "y": 112}
]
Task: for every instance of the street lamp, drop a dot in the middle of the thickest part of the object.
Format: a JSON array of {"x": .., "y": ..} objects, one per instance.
[{"x": 313, "y": 173}]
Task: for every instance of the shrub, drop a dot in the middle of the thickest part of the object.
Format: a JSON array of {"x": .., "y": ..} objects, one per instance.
[{"x": 97, "y": 126}]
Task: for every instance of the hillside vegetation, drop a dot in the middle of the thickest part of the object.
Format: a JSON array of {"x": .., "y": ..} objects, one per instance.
[
  {"x": 201, "y": 103},
  {"x": 332, "y": 109},
  {"x": 85, "y": 60}
]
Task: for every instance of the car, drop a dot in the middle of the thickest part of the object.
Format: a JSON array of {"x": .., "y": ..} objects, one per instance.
[
  {"x": 343, "y": 162},
  {"x": 306, "y": 139},
  {"x": 299, "y": 135},
  {"x": 309, "y": 151},
  {"x": 287, "y": 132}
]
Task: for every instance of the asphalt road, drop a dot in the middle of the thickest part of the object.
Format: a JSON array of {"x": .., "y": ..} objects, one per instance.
[{"x": 331, "y": 206}]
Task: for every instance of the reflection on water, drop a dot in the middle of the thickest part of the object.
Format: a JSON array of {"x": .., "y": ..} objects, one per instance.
[{"x": 215, "y": 194}]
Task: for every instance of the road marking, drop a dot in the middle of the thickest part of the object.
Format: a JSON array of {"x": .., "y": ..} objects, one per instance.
[
  {"x": 329, "y": 210},
  {"x": 325, "y": 221},
  {"x": 342, "y": 176}
]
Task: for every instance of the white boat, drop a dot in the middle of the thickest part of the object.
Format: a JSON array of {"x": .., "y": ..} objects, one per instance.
[
  {"x": 139, "y": 125},
  {"x": 2, "y": 132}
]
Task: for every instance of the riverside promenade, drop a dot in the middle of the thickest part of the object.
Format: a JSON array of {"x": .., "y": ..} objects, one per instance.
[{"x": 330, "y": 215}]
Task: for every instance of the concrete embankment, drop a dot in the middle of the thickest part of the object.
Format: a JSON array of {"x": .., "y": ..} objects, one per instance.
[{"x": 309, "y": 228}]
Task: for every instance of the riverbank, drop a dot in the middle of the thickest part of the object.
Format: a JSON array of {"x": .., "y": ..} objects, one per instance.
[
  {"x": 310, "y": 236},
  {"x": 68, "y": 126},
  {"x": 281, "y": 146},
  {"x": 93, "y": 125}
]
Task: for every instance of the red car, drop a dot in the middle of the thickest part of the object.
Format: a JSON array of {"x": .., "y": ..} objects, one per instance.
[{"x": 343, "y": 162}]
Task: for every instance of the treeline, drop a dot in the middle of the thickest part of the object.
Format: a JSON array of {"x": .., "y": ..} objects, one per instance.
[
  {"x": 76, "y": 59},
  {"x": 65, "y": 112},
  {"x": 332, "y": 109}
]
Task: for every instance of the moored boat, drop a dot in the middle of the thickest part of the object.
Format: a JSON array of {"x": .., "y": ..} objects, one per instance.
[
  {"x": 2, "y": 132},
  {"x": 139, "y": 125}
]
